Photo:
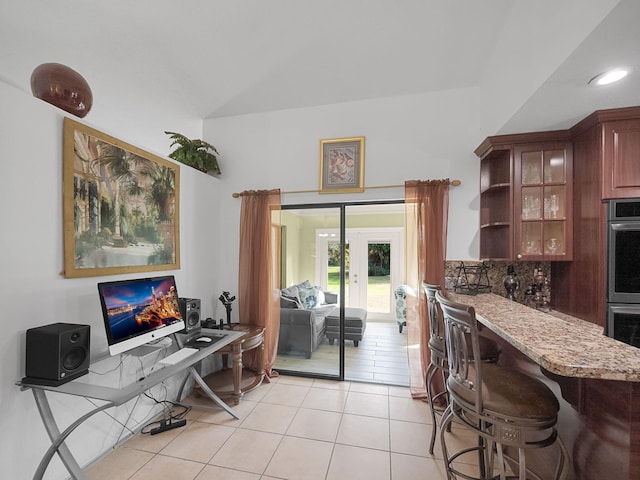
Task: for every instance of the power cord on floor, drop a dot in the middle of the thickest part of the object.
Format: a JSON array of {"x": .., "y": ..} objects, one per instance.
[{"x": 171, "y": 419}]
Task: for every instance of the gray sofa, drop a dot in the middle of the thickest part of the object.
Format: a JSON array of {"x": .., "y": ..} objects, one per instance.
[{"x": 302, "y": 329}]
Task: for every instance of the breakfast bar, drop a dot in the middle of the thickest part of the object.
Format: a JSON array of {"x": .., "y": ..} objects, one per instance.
[{"x": 596, "y": 379}]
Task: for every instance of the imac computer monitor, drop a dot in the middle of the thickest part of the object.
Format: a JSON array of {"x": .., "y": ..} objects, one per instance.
[{"x": 139, "y": 311}]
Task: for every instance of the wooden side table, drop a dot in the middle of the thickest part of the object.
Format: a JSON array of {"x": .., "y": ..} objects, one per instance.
[{"x": 253, "y": 338}]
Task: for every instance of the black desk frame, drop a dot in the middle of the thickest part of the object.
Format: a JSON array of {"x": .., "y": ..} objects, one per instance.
[{"x": 117, "y": 396}]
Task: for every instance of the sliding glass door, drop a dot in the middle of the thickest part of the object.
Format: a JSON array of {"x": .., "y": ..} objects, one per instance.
[
  {"x": 375, "y": 234},
  {"x": 309, "y": 298},
  {"x": 351, "y": 257}
]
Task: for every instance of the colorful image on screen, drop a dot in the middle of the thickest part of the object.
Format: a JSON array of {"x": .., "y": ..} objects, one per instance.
[{"x": 136, "y": 307}]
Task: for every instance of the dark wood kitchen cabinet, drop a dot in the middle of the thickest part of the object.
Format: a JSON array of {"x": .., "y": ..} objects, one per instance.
[
  {"x": 526, "y": 197},
  {"x": 621, "y": 159},
  {"x": 601, "y": 156},
  {"x": 606, "y": 148}
]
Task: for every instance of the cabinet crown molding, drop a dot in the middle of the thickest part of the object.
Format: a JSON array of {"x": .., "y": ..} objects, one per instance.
[{"x": 505, "y": 142}]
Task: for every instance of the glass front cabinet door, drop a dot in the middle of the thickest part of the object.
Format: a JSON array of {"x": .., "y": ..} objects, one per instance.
[{"x": 542, "y": 201}]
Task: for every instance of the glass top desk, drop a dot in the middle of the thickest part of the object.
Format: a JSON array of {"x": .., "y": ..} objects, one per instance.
[{"x": 92, "y": 386}]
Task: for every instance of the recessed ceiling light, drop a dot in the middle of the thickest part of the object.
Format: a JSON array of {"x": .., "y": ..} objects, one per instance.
[{"x": 605, "y": 78}]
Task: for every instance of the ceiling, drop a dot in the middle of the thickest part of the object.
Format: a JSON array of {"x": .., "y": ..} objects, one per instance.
[{"x": 216, "y": 58}]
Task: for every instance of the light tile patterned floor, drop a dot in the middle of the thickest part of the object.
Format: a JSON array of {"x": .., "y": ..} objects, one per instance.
[
  {"x": 380, "y": 357},
  {"x": 296, "y": 429}
]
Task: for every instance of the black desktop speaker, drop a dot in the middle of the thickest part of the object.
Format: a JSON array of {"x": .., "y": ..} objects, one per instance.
[
  {"x": 57, "y": 353},
  {"x": 190, "y": 311}
]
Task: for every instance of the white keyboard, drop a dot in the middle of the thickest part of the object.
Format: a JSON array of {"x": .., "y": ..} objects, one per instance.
[{"x": 178, "y": 356}]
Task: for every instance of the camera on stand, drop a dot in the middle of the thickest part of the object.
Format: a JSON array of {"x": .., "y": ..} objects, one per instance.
[{"x": 227, "y": 300}]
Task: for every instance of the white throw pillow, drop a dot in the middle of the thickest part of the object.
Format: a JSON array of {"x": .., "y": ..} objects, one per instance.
[{"x": 308, "y": 297}]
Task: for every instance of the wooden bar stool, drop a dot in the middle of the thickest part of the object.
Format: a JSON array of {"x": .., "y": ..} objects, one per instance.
[
  {"x": 506, "y": 408},
  {"x": 489, "y": 352}
]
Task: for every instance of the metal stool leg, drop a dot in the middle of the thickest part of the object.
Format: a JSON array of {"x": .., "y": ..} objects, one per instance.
[
  {"x": 447, "y": 418},
  {"x": 431, "y": 370}
]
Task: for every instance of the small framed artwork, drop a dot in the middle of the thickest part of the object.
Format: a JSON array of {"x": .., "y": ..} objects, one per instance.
[
  {"x": 342, "y": 165},
  {"x": 120, "y": 206}
]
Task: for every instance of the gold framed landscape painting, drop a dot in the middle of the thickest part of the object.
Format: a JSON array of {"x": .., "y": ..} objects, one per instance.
[
  {"x": 342, "y": 165},
  {"x": 120, "y": 206}
]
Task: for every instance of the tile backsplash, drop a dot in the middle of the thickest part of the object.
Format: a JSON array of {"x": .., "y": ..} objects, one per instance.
[{"x": 496, "y": 271}]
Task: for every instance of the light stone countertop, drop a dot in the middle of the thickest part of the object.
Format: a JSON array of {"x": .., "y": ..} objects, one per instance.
[{"x": 561, "y": 344}]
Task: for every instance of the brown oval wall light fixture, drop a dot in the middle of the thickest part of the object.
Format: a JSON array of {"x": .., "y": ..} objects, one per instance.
[{"x": 63, "y": 87}]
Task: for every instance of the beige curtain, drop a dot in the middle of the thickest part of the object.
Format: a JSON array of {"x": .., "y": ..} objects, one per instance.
[
  {"x": 259, "y": 275},
  {"x": 426, "y": 210}
]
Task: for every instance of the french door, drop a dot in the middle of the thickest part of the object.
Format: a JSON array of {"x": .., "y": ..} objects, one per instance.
[{"x": 375, "y": 265}]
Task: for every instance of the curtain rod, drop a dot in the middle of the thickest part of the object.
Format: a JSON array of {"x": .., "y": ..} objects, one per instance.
[{"x": 453, "y": 183}]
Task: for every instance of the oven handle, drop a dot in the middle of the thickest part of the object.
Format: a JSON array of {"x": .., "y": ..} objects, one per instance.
[
  {"x": 625, "y": 308},
  {"x": 619, "y": 227}
]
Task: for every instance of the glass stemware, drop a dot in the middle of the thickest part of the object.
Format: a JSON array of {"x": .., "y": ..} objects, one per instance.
[{"x": 554, "y": 205}]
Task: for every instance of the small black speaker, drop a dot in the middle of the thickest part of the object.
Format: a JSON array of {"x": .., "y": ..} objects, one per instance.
[
  {"x": 190, "y": 311},
  {"x": 57, "y": 353}
]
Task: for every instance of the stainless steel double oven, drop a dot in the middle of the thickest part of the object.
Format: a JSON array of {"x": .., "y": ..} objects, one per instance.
[{"x": 623, "y": 269}]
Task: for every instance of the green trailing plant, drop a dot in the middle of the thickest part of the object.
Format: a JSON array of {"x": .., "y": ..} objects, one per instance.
[{"x": 195, "y": 153}]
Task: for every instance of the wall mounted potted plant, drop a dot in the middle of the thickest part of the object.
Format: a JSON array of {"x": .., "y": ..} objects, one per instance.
[{"x": 195, "y": 153}]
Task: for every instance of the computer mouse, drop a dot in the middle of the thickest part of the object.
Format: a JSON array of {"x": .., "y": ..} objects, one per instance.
[{"x": 203, "y": 339}]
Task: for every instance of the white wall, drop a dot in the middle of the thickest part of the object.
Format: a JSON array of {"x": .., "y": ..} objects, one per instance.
[
  {"x": 427, "y": 136},
  {"x": 415, "y": 137},
  {"x": 32, "y": 291}
]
